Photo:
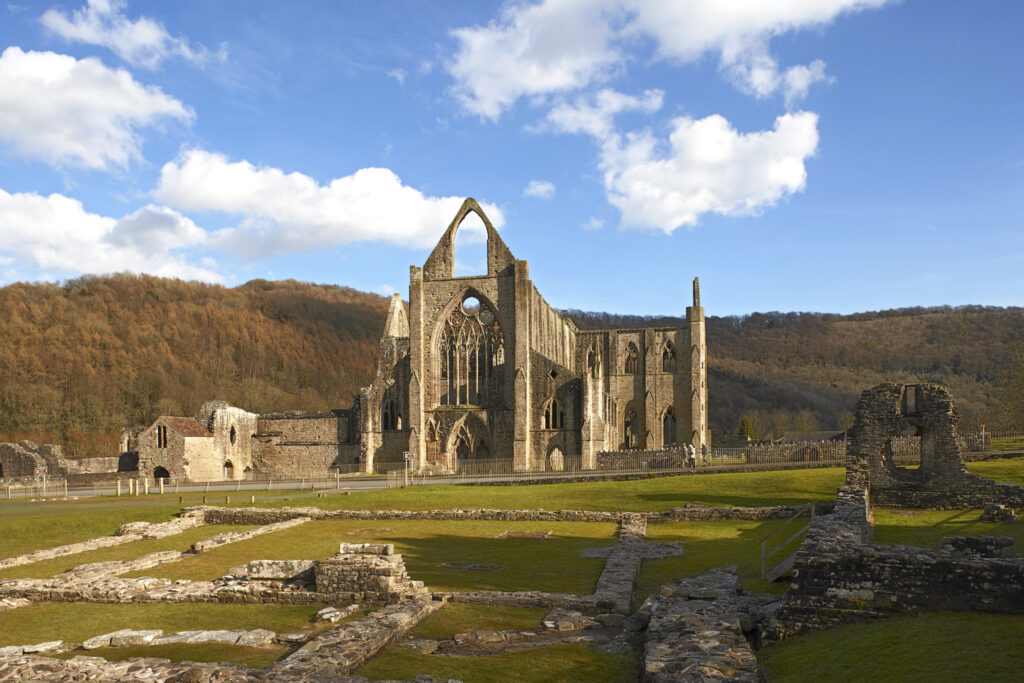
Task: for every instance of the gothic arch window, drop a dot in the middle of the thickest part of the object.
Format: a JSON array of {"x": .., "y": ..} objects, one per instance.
[
  {"x": 668, "y": 358},
  {"x": 594, "y": 361},
  {"x": 390, "y": 418},
  {"x": 632, "y": 359},
  {"x": 554, "y": 416},
  {"x": 668, "y": 426},
  {"x": 471, "y": 354},
  {"x": 233, "y": 435}
]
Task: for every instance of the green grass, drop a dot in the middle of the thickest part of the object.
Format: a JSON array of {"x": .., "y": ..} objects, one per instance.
[
  {"x": 1003, "y": 469},
  {"x": 34, "y": 526},
  {"x": 661, "y": 493},
  {"x": 461, "y": 618},
  {"x": 927, "y": 528},
  {"x": 128, "y": 551},
  {"x": 942, "y": 646},
  {"x": 252, "y": 657},
  {"x": 555, "y": 663},
  {"x": 79, "y": 621},
  {"x": 1009, "y": 443},
  {"x": 712, "y": 544},
  {"x": 551, "y": 564}
]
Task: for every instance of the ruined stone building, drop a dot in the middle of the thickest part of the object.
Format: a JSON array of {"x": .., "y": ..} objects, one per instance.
[
  {"x": 476, "y": 368},
  {"x": 216, "y": 444},
  {"x": 483, "y": 367}
]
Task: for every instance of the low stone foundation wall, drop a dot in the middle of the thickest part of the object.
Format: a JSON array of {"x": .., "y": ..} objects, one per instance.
[
  {"x": 689, "y": 513},
  {"x": 841, "y": 577},
  {"x": 129, "y": 533}
]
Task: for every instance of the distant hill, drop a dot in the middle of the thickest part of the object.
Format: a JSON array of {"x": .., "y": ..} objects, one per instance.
[{"x": 81, "y": 360}]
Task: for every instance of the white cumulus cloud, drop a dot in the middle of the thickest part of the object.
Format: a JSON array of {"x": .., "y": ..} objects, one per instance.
[
  {"x": 561, "y": 46},
  {"x": 56, "y": 234},
  {"x": 142, "y": 42},
  {"x": 706, "y": 167},
  {"x": 288, "y": 212},
  {"x": 540, "y": 189},
  {"x": 77, "y": 112}
]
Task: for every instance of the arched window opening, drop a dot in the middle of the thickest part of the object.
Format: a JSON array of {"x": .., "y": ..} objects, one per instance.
[
  {"x": 232, "y": 435},
  {"x": 632, "y": 359},
  {"x": 594, "y": 361},
  {"x": 668, "y": 358},
  {"x": 668, "y": 424},
  {"x": 471, "y": 355},
  {"x": 390, "y": 418},
  {"x": 161, "y": 473},
  {"x": 554, "y": 416},
  {"x": 470, "y": 248},
  {"x": 229, "y": 470}
]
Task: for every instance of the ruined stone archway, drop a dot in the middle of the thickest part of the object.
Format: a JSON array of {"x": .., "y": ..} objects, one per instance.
[{"x": 885, "y": 414}]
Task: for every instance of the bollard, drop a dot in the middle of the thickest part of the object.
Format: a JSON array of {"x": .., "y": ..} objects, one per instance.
[
  {"x": 252, "y": 499},
  {"x": 65, "y": 488},
  {"x": 8, "y": 492},
  {"x": 137, "y": 487},
  {"x": 175, "y": 485},
  {"x": 161, "y": 487},
  {"x": 207, "y": 487},
  {"x": 119, "y": 487},
  {"x": 181, "y": 499},
  {"x": 145, "y": 482},
  {"x": 238, "y": 485},
  {"x": 131, "y": 486},
  {"x": 227, "y": 499},
  {"x": 268, "y": 483},
  {"x": 204, "y": 500}
]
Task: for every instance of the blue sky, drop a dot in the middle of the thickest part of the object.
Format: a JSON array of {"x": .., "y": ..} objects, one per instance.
[{"x": 810, "y": 155}]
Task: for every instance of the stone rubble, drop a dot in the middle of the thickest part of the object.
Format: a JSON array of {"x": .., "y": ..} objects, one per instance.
[
  {"x": 997, "y": 512},
  {"x": 128, "y": 533},
  {"x": 335, "y": 614},
  {"x": 697, "y": 626}
]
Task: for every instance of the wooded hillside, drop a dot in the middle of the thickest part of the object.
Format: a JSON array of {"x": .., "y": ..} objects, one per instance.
[{"x": 83, "y": 359}]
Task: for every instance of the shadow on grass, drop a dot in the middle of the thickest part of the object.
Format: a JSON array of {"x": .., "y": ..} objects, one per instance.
[{"x": 551, "y": 564}]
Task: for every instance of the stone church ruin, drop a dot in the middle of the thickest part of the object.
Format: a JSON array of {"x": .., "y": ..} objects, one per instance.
[{"x": 476, "y": 368}]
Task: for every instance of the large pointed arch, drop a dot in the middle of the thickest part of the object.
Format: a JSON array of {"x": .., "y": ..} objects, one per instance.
[{"x": 440, "y": 264}]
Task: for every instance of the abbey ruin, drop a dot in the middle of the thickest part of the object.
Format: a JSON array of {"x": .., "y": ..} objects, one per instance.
[{"x": 476, "y": 368}]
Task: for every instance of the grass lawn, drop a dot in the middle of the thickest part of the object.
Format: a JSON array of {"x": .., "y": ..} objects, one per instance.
[
  {"x": 1003, "y": 469},
  {"x": 711, "y": 544},
  {"x": 33, "y": 526},
  {"x": 927, "y": 528},
  {"x": 551, "y": 564},
  {"x": 79, "y": 621},
  {"x": 661, "y": 493},
  {"x": 128, "y": 551},
  {"x": 460, "y": 618},
  {"x": 941, "y": 646},
  {"x": 562, "y": 663},
  {"x": 1007, "y": 443},
  {"x": 252, "y": 657}
]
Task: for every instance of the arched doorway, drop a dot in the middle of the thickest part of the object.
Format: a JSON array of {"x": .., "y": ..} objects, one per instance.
[
  {"x": 229, "y": 470},
  {"x": 161, "y": 473},
  {"x": 469, "y": 443},
  {"x": 556, "y": 460}
]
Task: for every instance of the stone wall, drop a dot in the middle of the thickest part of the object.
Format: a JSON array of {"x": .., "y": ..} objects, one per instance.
[
  {"x": 884, "y": 414},
  {"x": 262, "y": 516},
  {"x": 295, "y": 445}
]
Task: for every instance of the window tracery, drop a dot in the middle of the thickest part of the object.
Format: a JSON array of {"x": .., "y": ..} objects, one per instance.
[{"x": 471, "y": 353}]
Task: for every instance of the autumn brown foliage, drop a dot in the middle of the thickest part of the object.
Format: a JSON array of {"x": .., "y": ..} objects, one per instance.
[{"x": 81, "y": 360}]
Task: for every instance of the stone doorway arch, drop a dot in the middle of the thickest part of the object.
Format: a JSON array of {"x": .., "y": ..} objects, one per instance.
[{"x": 161, "y": 473}]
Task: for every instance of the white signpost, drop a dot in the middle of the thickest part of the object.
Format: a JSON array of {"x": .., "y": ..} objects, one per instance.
[{"x": 408, "y": 459}]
